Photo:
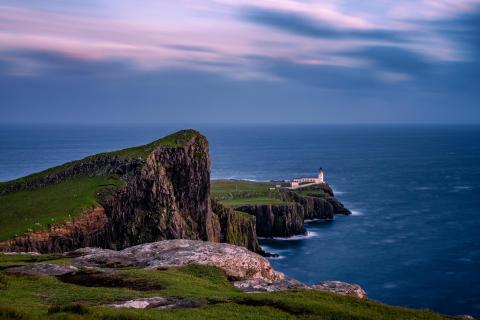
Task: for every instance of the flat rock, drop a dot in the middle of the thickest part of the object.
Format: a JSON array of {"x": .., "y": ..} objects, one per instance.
[
  {"x": 343, "y": 288},
  {"x": 157, "y": 303},
  {"x": 45, "y": 269},
  {"x": 260, "y": 285},
  {"x": 237, "y": 262}
]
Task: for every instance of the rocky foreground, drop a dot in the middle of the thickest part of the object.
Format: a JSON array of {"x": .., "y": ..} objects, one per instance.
[{"x": 247, "y": 271}]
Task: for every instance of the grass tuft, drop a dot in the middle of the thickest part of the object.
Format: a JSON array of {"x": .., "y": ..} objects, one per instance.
[{"x": 8, "y": 313}]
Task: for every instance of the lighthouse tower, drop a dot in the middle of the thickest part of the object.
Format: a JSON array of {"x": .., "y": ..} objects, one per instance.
[{"x": 320, "y": 176}]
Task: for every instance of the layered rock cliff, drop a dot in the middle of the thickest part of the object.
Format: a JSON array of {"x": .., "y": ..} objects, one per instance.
[
  {"x": 165, "y": 195},
  {"x": 277, "y": 220},
  {"x": 287, "y": 219},
  {"x": 237, "y": 228}
]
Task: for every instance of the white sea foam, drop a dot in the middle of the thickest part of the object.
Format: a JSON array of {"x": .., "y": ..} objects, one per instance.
[
  {"x": 424, "y": 188},
  {"x": 310, "y": 234},
  {"x": 337, "y": 192},
  {"x": 463, "y": 188},
  {"x": 390, "y": 285},
  {"x": 357, "y": 213},
  {"x": 276, "y": 258}
]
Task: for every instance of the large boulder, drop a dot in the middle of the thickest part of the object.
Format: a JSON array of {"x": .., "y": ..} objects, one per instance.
[{"x": 237, "y": 262}]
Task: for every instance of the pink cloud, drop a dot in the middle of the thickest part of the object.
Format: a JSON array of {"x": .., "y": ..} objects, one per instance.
[{"x": 157, "y": 42}]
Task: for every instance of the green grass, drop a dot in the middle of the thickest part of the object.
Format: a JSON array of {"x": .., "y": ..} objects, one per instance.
[
  {"x": 312, "y": 193},
  {"x": 237, "y": 202},
  {"x": 235, "y": 193},
  {"x": 176, "y": 139},
  {"x": 42, "y": 297},
  {"x": 28, "y": 210}
]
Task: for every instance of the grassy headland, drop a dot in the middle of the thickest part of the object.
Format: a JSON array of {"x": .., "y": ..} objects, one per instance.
[
  {"x": 29, "y": 210},
  {"x": 241, "y": 192}
]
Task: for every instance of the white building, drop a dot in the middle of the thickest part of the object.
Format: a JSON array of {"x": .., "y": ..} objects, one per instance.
[{"x": 297, "y": 182}]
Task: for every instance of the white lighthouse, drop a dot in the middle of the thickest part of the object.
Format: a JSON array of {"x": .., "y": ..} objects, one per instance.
[
  {"x": 320, "y": 176},
  {"x": 298, "y": 182}
]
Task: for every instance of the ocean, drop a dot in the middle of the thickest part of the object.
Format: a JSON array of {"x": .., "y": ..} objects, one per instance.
[{"x": 414, "y": 236}]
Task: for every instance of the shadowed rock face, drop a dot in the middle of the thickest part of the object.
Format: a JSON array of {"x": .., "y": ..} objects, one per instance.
[
  {"x": 277, "y": 220},
  {"x": 166, "y": 195},
  {"x": 169, "y": 199},
  {"x": 318, "y": 202},
  {"x": 237, "y": 228}
]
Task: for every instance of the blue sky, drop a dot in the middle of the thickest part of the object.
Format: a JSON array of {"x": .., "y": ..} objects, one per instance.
[{"x": 240, "y": 61}]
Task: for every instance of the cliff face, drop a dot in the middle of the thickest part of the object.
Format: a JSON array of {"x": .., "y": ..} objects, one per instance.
[
  {"x": 166, "y": 195},
  {"x": 87, "y": 230},
  {"x": 285, "y": 220},
  {"x": 237, "y": 228},
  {"x": 277, "y": 220},
  {"x": 169, "y": 199},
  {"x": 318, "y": 201}
]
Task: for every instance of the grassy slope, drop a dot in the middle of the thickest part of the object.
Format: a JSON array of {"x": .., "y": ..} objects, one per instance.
[
  {"x": 36, "y": 209},
  {"x": 176, "y": 139},
  {"x": 31, "y": 297},
  {"x": 240, "y": 192}
]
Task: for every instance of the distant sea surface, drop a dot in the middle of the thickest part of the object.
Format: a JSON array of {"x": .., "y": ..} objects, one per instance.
[{"x": 414, "y": 236}]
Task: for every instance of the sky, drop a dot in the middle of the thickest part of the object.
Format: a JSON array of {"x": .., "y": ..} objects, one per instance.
[{"x": 240, "y": 61}]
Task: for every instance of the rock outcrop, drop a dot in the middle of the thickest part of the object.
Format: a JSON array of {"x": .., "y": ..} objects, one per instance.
[
  {"x": 343, "y": 288},
  {"x": 260, "y": 285},
  {"x": 248, "y": 271},
  {"x": 157, "y": 303},
  {"x": 237, "y": 262},
  {"x": 42, "y": 269}
]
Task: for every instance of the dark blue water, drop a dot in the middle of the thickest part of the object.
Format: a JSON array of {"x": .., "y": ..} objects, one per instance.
[{"x": 414, "y": 239}]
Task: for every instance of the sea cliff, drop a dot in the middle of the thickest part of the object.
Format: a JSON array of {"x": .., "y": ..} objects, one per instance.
[
  {"x": 163, "y": 193},
  {"x": 278, "y": 210}
]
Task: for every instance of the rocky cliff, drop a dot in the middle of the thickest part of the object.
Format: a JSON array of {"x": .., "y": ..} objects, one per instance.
[
  {"x": 165, "y": 195},
  {"x": 277, "y": 220},
  {"x": 237, "y": 228},
  {"x": 287, "y": 219}
]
